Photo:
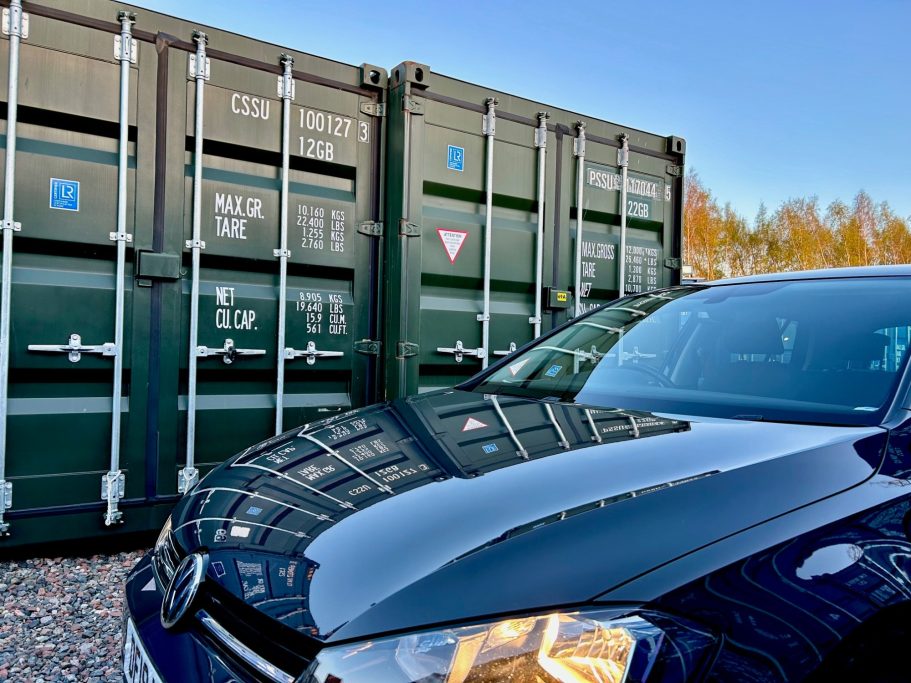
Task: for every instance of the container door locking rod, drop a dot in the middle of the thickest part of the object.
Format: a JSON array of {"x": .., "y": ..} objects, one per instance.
[
  {"x": 15, "y": 25},
  {"x": 112, "y": 484},
  {"x": 579, "y": 152},
  {"x": 623, "y": 163},
  {"x": 286, "y": 92},
  {"x": 541, "y": 144},
  {"x": 490, "y": 130},
  {"x": 199, "y": 71}
]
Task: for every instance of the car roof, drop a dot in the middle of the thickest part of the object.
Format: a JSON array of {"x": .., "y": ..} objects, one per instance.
[{"x": 823, "y": 274}]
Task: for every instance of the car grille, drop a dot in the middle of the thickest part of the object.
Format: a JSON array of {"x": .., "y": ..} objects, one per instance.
[
  {"x": 167, "y": 556},
  {"x": 249, "y": 641}
]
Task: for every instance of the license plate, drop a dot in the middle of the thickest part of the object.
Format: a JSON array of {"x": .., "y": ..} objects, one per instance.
[{"x": 137, "y": 667}]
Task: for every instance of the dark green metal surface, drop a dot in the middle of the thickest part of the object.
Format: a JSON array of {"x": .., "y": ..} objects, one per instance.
[{"x": 384, "y": 299}]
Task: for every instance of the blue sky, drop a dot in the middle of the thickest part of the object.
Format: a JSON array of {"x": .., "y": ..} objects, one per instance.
[{"x": 776, "y": 98}]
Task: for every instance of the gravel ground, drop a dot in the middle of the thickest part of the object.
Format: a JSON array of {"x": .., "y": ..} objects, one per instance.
[{"x": 60, "y": 618}]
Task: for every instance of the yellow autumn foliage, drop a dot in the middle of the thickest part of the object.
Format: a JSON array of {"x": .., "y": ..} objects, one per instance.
[{"x": 798, "y": 235}]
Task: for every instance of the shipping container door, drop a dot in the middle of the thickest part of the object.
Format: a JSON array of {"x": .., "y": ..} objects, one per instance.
[
  {"x": 333, "y": 139},
  {"x": 439, "y": 261},
  {"x": 63, "y": 279}
]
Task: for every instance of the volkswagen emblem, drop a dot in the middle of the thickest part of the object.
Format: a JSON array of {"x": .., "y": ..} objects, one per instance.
[{"x": 181, "y": 592}]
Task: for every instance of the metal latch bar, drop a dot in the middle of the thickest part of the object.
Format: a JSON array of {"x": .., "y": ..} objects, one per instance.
[
  {"x": 75, "y": 348},
  {"x": 311, "y": 353},
  {"x": 459, "y": 351},
  {"x": 511, "y": 349},
  {"x": 228, "y": 352}
]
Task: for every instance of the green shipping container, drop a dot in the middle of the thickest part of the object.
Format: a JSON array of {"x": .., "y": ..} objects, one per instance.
[
  {"x": 304, "y": 238},
  {"x": 478, "y": 182}
]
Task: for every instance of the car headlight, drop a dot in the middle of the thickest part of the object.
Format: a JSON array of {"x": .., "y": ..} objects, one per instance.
[{"x": 569, "y": 647}]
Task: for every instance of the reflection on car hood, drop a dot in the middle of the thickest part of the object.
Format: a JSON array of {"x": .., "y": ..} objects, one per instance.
[{"x": 456, "y": 505}]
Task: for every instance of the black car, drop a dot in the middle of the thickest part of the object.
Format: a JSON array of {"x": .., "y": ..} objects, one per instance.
[{"x": 705, "y": 482}]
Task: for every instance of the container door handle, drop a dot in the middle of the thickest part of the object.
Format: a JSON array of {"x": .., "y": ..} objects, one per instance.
[
  {"x": 511, "y": 349},
  {"x": 229, "y": 353},
  {"x": 75, "y": 348},
  {"x": 459, "y": 351},
  {"x": 311, "y": 353}
]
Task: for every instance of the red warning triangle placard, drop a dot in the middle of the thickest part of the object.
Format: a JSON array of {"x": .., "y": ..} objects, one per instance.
[
  {"x": 452, "y": 241},
  {"x": 472, "y": 424}
]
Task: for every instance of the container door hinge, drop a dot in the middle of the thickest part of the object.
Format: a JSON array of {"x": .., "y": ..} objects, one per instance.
[
  {"x": 409, "y": 229},
  {"x": 404, "y": 349},
  {"x": 672, "y": 263},
  {"x": 373, "y": 109},
  {"x": 15, "y": 22},
  {"x": 206, "y": 68},
  {"x": 371, "y": 228},
  {"x": 368, "y": 347},
  {"x": 113, "y": 485},
  {"x": 132, "y": 49},
  {"x": 412, "y": 105},
  {"x": 674, "y": 170}
]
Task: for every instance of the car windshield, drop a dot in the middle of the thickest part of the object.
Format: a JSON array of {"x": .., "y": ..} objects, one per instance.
[{"x": 813, "y": 351}]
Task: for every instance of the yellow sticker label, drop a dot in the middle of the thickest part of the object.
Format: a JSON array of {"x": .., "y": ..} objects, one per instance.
[{"x": 561, "y": 296}]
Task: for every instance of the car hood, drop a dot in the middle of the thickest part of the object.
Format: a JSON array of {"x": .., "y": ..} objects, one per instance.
[{"x": 456, "y": 505}]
